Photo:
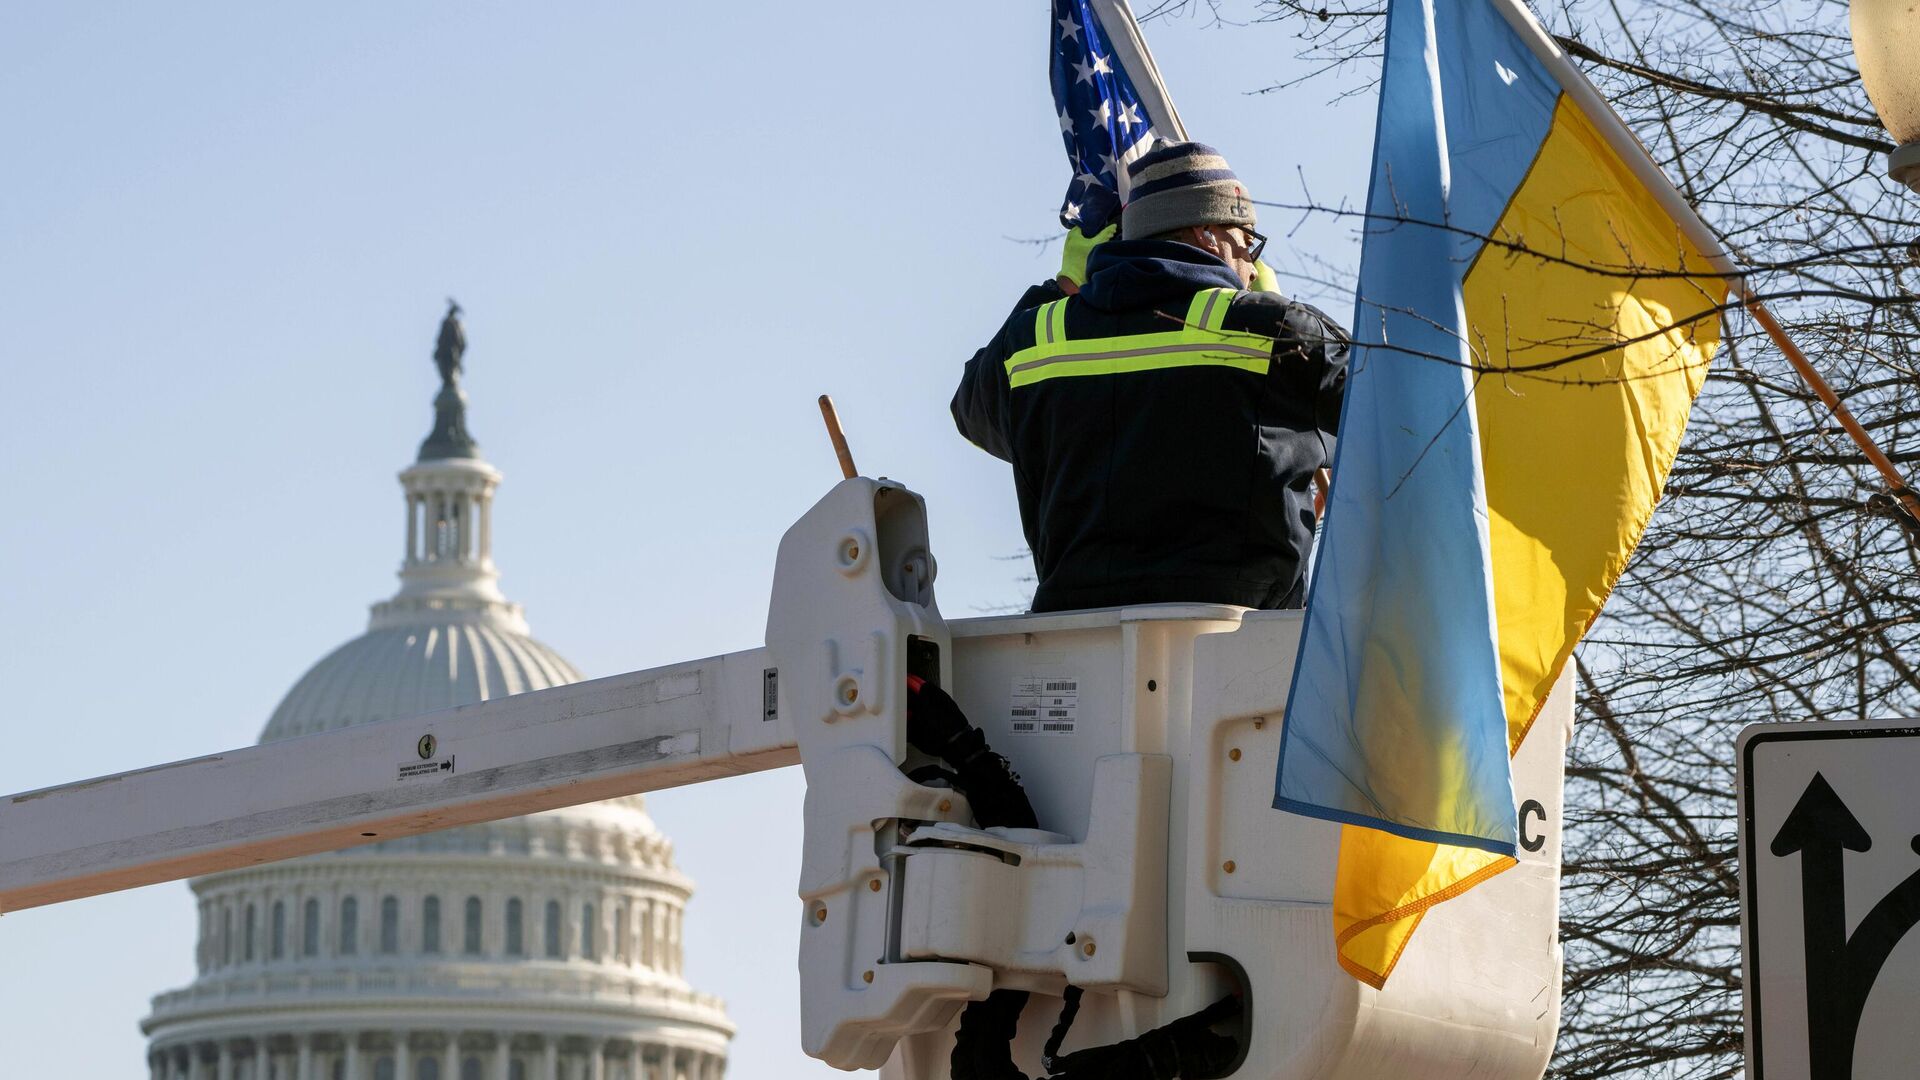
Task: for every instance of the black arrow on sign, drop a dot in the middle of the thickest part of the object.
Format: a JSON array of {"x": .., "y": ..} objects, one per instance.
[
  {"x": 1820, "y": 827},
  {"x": 1840, "y": 970}
]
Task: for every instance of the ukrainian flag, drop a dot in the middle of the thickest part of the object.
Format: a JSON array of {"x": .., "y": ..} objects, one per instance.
[{"x": 1537, "y": 308}]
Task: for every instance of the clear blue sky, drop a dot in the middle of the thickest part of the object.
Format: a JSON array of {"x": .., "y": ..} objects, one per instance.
[{"x": 227, "y": 232}]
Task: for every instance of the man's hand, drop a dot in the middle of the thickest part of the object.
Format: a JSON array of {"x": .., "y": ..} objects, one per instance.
[
  {"x": 1073, "y": 261},
  {"x": 1264, "y": 279}
]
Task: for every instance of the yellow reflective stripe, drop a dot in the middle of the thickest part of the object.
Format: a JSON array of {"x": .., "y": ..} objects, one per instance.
[
  {"x": 1125, "y": 361},
  {"x": 1202, "y": 341},
  {"x": 1045, "y": 322},
  {"x": 1208, "y": 311}
]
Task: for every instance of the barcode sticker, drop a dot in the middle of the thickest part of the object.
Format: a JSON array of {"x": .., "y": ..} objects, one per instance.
[{"x": 1044, "y": 705}]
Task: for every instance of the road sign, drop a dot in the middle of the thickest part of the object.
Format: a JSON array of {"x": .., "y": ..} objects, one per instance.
[{"x": 1830, "y": 888}]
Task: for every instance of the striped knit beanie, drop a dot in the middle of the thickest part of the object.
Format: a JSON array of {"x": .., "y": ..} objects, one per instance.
[{"x": 1175, "y": 185}]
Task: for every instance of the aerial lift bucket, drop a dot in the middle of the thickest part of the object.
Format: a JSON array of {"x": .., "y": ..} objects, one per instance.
[{"x": 1161, "y": 877}]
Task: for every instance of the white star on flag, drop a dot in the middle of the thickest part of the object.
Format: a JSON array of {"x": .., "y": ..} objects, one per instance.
[{"x": 1108, "y": 101}]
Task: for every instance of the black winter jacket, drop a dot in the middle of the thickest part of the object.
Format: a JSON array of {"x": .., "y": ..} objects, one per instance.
[{"x": 1179, "y": 483}]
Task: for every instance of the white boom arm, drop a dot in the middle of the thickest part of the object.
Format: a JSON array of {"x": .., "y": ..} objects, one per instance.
[{"x": 638, "y": 732}]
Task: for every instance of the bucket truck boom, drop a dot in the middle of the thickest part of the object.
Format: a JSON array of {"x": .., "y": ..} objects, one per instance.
[{"x": 1160, "y": 878}]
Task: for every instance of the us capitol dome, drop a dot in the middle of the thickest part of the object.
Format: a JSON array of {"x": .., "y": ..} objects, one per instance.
[{"x": 545, "y": 947}]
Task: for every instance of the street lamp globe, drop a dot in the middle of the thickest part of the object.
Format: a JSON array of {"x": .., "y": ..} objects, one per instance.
[{"x": 1886, "y": 44}]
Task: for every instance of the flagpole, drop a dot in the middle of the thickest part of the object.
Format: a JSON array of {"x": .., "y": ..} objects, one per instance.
[
  {"x": 1123, "y": 34},
  {"x": 1633, "y": 153},
  {"x": 1888, "y": 471}
]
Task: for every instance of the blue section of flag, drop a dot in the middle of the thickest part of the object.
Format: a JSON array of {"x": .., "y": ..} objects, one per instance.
[
  {"x": 1396, "y": 720},
  {"x": 1498, "y": 103},
  {"x": 1101, "y": 118}
]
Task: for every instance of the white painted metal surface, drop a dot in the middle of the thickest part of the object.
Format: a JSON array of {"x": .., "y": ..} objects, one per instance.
[
  {"x": 1149, "y": 731},
  {"x": 1830, "y": 892},
  {"x": 1477, "y": 994},
  {"x": 572, "y": 744},
  {"x": 907, "y": 910}
]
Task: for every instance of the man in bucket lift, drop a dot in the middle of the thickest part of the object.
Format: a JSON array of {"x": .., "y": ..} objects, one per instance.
[
  {"x": 1163, "y": 418},
  {"x": 1164, "y": 421}
]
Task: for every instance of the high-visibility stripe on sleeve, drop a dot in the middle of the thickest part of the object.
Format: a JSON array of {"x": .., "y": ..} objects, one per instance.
[
  {"x": 1209, "y": 309},
  {"x": 1201, "y": 341},
  {"x": 1050, "y": 322}
]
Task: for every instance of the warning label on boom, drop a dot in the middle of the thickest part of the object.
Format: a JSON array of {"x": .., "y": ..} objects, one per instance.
[
  {"x": 410, "y": 770},
  {"x": 1044, "y": 705}
]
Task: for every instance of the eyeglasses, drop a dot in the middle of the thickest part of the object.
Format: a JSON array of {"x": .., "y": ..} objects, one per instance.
[{"x": 1259, "y": 245}]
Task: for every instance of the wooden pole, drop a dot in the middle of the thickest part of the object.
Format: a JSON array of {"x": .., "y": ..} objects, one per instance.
[
  {"x": 1864, "y": 441},
  {"x": 847, "y": 471}
]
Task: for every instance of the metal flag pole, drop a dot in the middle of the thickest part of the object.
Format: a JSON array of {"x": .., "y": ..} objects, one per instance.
[{"x": 1123, "y": 34}]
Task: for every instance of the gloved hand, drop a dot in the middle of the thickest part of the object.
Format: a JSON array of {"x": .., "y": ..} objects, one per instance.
[
  {"x": 1264, "y": 279},
  {"x": 1073, "y": 261}
]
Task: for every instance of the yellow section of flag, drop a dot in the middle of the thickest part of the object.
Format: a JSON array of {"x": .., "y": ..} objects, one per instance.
[{"x": 1599, "y": 333}]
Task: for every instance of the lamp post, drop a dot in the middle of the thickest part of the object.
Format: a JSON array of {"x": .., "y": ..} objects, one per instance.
[{"x": 1886, "y": 45}]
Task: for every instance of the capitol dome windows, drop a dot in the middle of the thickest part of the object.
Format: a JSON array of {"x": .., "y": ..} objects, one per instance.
[
  {"x": 470, "y": 928},
  {"x": 349, "y": 926},
  {"x": 278, "y": 943},
  {"x": 553, "y": 930},
  {"x": 589, "y": 948},
  {"x": 310, "y": 928},
  {"x": 429, "y": 926},
  {"x": 516, "y": 939},
  {"x": 389, "y": 925}
]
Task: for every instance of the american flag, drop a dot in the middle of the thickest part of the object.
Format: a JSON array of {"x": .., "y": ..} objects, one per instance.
[{"x": 1111, "y": 105}]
